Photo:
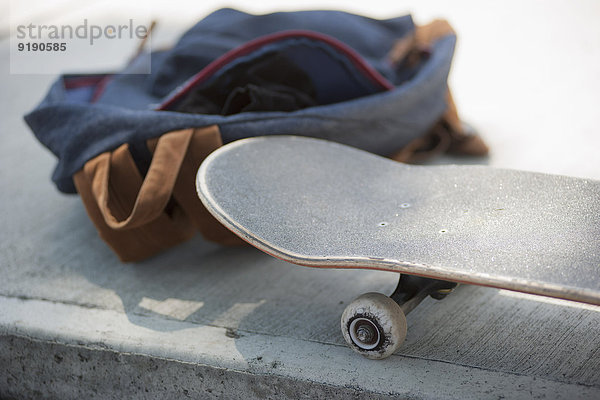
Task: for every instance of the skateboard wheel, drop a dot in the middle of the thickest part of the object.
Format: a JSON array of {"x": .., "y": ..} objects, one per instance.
[{"x": 374, "y": 325}]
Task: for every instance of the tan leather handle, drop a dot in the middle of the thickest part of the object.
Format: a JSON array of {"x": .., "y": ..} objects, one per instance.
[
  {"x": 421, "y": 38},
  {"x": 156, "y": 188}
]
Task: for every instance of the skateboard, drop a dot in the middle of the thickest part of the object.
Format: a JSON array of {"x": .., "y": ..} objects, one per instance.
[{"x": 322, "y": 204}]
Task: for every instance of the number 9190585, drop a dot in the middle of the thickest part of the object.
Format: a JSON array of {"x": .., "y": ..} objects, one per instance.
[{"x": 42, "y": 46}]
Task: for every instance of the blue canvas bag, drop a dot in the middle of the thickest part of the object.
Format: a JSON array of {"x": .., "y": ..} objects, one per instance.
[{"x": 129, "y": 143}]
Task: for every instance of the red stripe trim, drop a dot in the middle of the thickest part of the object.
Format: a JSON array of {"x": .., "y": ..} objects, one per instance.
[
  {"x": 255, "y": 44},
  {"x": 100, "y": 88},
  {"x": 83, "y": 81},
  {"x": 98, "y": 82}
]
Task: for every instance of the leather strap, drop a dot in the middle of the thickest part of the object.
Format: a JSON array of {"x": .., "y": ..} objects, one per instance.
[
  {"x": 156, "y": 188},
  {"x": 436, "y": 141},
  {"x": 449, "y": 134},
  {"x": 419, "y": 40}
]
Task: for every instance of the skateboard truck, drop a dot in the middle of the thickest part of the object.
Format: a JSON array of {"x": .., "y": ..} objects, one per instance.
[
  {"x": 412, "y": 290},
  {"x": 374, "y": 324}
]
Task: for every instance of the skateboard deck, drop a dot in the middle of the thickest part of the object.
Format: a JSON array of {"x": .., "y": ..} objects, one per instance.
[{"x": 322, "y": 204}]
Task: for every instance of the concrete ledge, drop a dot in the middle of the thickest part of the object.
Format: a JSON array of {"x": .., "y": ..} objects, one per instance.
[
  {"x": 78, "y": 371},
  {"x": 85, "y": 352}
]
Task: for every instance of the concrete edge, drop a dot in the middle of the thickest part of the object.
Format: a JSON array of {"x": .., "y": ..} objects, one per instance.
[{"x": 46, "y": 345}]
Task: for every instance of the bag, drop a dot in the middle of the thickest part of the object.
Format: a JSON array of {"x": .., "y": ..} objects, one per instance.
[{"x": 130, "y": 144}]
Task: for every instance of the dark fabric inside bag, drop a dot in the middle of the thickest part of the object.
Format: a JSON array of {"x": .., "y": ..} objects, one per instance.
[
  {"x": 285, "y": 73},
  {"x": 270, "y": 82}
]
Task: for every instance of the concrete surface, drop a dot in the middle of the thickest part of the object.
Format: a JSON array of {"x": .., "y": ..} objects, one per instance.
[{"x": 201, "y": 321}]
